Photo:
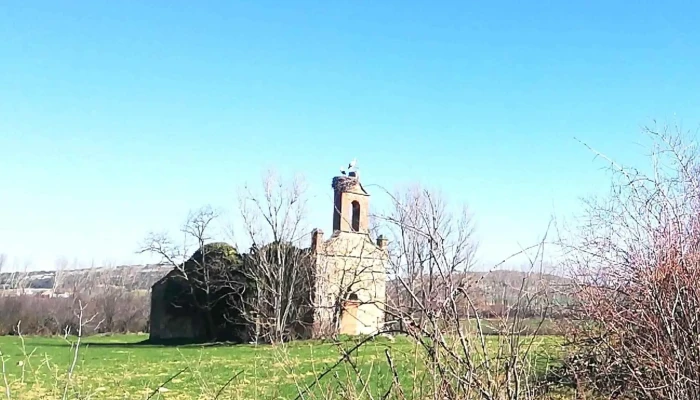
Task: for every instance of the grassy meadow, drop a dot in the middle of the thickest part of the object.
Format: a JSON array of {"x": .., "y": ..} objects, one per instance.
[{"x": 119, "y": 367}]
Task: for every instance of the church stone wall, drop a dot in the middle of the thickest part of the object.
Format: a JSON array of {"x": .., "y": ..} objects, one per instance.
[
  {"x": 163, "y": 325},
  {"x": 350, "y": 267}
]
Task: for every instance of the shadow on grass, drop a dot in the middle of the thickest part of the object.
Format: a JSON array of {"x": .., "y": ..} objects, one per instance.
[
  {"x": 146, "y": 343},
  {"x": 102, "y": 342},
  {"x": 190, "y": 343}
]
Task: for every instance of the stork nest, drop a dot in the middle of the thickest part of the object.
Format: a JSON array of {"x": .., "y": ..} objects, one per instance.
[{"x": 344, "y": 183}]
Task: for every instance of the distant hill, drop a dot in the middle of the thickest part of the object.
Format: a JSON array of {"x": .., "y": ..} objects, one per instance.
[
  {"x": 491, "y": 290},
  {"x": 133, "y": 277},
  {"x": 489, "y": 285}
]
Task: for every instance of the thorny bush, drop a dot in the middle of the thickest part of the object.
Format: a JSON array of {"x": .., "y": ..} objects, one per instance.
[{"x": 636, "y": 260}]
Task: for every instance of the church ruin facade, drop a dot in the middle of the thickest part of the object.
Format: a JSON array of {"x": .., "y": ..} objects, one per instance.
[{"x": 346, "y": 293}]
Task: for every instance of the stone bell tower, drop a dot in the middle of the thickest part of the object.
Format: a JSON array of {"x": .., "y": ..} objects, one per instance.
[
  {"x": 350, "y": 204},
  {"x": 350, "y": 267}
]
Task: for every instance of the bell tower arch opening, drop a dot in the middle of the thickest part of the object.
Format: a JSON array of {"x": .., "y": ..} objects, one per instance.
[{"x": 355, "y": 216}]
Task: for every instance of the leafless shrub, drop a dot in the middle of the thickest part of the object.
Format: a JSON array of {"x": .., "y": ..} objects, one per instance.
[
  {"x": 83, "y": 320},
  {"x": 64, "y": 385},
  {"x": 123, "y": 312},
  {"x": 636, "y": 260},
  {"x": 436, "y": 250},
  {"x": 48, "y": 310}
]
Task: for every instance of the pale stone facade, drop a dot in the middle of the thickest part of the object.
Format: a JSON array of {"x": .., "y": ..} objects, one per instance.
[{"x": 351, "y": 268}]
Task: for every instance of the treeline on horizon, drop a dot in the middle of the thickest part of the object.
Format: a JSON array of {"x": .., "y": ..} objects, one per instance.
[{"x": 120, "y": 297}]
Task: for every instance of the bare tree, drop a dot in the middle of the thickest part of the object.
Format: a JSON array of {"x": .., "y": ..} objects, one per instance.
[
  {"x": 636, "y": 258},
  {"x": 61, "y": 266},
  {"x": 274, "y": 222},
  {"x": 431, "y": 246}
]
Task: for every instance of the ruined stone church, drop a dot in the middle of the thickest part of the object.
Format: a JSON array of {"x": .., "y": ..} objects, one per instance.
[
  {"x": 349, "y": 265},
  {"x": 349, "y": 275}
]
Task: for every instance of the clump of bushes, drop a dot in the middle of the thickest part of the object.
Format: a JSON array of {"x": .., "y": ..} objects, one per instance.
[{"x": 117, "y": 310}]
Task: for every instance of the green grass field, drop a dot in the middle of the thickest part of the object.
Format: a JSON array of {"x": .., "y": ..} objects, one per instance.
[{"x": 118, "y": 367}]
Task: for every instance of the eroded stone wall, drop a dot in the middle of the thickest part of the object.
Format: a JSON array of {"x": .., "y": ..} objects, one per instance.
[{"x": 347, "y": 264}]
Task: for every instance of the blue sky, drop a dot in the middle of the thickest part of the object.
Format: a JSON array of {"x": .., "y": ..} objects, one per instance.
[{"x": 117, "y": 118}]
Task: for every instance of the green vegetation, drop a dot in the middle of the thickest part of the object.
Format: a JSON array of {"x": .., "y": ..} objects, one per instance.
[{"x": 110, "y": 367}]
